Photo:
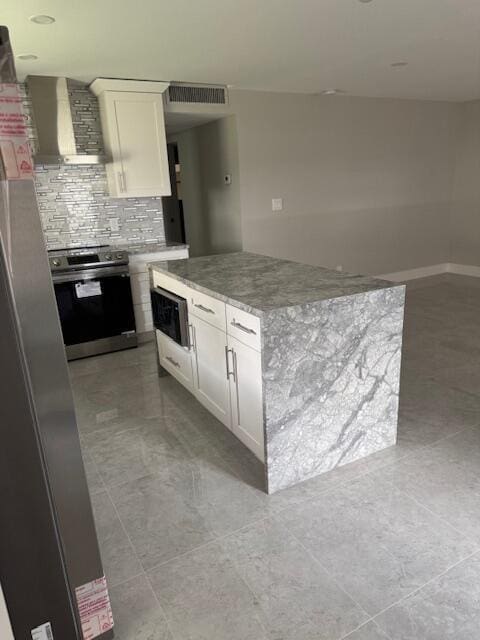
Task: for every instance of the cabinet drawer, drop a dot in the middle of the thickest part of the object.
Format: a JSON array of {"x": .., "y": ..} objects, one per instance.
[
  {"x": 170, "y": 284},
  {"x": 244, "y": 326},
  {"x": 207, "y": 308},
  {"x": 175, "y": 359}
]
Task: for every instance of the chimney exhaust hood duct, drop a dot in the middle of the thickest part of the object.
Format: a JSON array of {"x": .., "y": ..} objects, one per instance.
[{"x": 54, "y": 124}]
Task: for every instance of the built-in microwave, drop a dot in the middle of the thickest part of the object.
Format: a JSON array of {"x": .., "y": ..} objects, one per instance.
[{"x": 170, "y": 315}]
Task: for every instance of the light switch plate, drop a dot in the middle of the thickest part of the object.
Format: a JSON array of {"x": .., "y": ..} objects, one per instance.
[
  {"x": 277, "y": 204},
  {"x": 114, "y": 226}
]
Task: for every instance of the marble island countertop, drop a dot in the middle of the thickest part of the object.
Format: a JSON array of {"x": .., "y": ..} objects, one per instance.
[
  {"x": 330, "y": 346},
  {"x": 259, "y": 284}
]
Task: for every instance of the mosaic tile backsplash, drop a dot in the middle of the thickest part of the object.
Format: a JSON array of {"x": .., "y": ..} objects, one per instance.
[{"x": 74, "y": 204}]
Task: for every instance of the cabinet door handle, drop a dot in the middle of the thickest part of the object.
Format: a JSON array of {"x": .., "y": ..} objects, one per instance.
[
  {"x": 121, "y": 181},
  {"x": 174, "y": 362},
  {"x": 235, "y": 377},
  {"x": 242, "y": 327},
  {"x": 193, "y": 344},
  {"x": 229, "y": 373},
  {"x": 202, "y": 308}
]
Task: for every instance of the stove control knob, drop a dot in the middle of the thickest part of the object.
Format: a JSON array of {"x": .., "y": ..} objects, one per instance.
[
  {"x": 56, "y": 262},
  {"x": 108, "y": 256},
  {"x": 119, "y": 256}
]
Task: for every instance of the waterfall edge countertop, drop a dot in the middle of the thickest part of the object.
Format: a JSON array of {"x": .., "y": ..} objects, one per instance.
[
  {"x": 330, "y": 357},
  {"x": 260, "y": 284}
]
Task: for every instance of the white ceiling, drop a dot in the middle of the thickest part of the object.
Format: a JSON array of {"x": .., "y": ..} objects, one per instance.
[{"x": 279, "y": 45}]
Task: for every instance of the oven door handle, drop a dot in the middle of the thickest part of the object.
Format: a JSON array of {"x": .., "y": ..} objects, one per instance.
[{"x": 90, "y": 274}]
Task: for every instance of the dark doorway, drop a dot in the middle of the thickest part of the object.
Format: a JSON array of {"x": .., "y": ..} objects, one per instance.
[{"x": 172, "y": 205}]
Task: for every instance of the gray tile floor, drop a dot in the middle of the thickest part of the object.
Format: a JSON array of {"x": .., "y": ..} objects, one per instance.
[{"x": 384, "y": 548}]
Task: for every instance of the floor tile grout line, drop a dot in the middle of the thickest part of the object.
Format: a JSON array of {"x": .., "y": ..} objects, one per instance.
[
  {"x": 213, "y": 541},
  {"x": 143, "y": 572},
  {"x": 381, "y": 467},
  {"x": 335, "y": 485},
  {"x": 252, "y": 591},
  {"x": 413, "y": 593},
  {"x": 372, "y": 618},
  {"x": 167, "y": 621},
  {"x": 432, "y": 445},
  {"x": 418, "y": 589},
  {"x": 122, "y": 582},
  {"x": 364, "y": 624},
  {"x": 340, "y": 484},
  {"x": 437, "y": 517},
  {"x": 327, "y": 572}
]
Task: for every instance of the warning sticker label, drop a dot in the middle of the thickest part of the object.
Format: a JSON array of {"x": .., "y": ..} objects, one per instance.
[
  {"x": 43, "y": 632},
  {"x": 14, "y": 145},
  {"x": 94, "y": 608}
]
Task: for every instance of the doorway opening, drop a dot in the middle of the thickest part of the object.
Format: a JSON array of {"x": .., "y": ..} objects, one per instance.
[{"x": 204, "y": 208}]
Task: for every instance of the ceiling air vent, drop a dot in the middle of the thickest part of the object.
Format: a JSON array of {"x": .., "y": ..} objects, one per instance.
[{"x": 196, "y": 94}]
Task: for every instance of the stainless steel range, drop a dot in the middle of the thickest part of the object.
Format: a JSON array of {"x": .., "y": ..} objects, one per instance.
[{"x": 94, "y": 299}]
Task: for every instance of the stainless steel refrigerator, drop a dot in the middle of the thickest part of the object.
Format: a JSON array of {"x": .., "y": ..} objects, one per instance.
[{"x": 50, "y": 567}]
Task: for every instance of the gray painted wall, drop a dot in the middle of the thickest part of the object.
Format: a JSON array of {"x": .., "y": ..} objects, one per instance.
[
  {"x": 366, "y": 183},
  {"x": 465, "y": 214},
  {"x": 211, "y": 208}
]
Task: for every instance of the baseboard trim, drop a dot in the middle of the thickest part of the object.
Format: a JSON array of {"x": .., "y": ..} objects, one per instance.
[
  {"x": 433, "y": 270},
  {"x": 419, "y": 272},
  {"x": 464, "y": 269}
]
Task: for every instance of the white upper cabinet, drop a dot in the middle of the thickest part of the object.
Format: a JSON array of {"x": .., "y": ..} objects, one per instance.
[{"x": 133, "y": 128}]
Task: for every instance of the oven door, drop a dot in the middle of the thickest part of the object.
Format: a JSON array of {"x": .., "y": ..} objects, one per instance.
[
  {"x": 170, "y": 315},
  {"x": 94, "y": 304}
]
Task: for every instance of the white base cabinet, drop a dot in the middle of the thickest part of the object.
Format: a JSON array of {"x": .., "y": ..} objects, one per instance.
[
  {"x": 175, "y": 359},
  {"x": 246, "y": 397},
  {"x": 209, "y": 368},
  {"x": 223, "y": 367}
]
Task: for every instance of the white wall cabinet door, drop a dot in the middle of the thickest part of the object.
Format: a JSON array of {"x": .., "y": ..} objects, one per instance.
[
  {"x": 133, "y": 128},
  {"x": 210, "y": 369},
  {"x": 246, "y": 396}
]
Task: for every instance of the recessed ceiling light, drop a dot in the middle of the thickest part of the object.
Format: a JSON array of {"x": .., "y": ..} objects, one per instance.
[
  {"x": 364, "y": 1},
  {"x": 27, "y": 56},
  {"x": 42, "y": 19},
  {"x": 398, "y": 64},
  {"x": 331, "y": 92}
]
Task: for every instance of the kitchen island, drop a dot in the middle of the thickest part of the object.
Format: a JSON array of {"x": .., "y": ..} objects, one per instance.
[{"x": 302, "y": 363}]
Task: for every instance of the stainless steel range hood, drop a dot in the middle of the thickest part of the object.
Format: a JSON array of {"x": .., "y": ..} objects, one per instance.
[{"x": 54, "y": 124}]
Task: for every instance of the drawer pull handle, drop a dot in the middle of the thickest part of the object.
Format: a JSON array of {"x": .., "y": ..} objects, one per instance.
[
  {"x": 242, "y": 327},
  {"x": 202, "y": 308},
  {"x": 174, "y": 362}
]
